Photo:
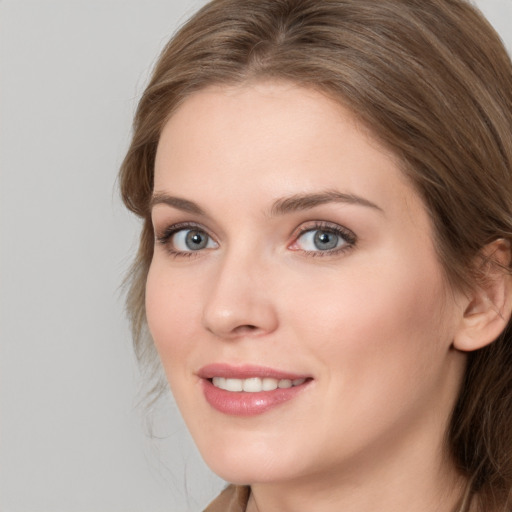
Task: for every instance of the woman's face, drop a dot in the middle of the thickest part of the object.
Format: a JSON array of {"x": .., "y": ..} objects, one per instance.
[{"x": 291, "y": 251}]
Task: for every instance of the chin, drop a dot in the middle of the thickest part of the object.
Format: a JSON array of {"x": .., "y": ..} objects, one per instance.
[{"x": 247, "y": 463}]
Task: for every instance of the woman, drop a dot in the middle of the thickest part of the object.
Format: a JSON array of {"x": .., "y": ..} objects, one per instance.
[{"x": 324, "y": 262}]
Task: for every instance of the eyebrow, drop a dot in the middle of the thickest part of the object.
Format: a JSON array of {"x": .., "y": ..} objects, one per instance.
[
  {"x": 282, "y": 206},
  {"x": 307, "y": 201},
  {"x": 176, "y": 202}
]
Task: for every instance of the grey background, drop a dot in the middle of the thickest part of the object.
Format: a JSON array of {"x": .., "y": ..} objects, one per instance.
[{"x": 71, "y": 439}]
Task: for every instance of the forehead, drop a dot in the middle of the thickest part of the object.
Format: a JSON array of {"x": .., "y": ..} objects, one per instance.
[{"x": 276, "y": 138}]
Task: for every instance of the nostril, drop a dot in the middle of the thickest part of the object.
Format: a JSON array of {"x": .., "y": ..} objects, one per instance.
[{"x": 245, "y": 328}]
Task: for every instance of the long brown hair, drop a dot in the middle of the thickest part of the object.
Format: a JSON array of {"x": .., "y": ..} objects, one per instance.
[{"x": 433, "y": 82}]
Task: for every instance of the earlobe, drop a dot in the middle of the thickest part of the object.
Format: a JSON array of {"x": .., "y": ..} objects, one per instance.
[{"x": 490, "y": 303}]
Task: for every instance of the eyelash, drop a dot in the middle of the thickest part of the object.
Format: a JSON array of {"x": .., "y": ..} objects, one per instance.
[
  {"x": 170, "y": 231},
  {"x": 346, "y": 234}
]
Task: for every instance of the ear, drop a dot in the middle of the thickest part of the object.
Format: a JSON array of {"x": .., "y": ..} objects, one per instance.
[{"x": 490, "y": 303}]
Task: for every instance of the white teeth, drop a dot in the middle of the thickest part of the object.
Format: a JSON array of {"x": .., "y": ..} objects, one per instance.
[
  {"x": 254, "y": 384},
  {"x": 269, "y": 384},
  {"x": 219, "y": 382},
  {"x": 233, "y": 385}
]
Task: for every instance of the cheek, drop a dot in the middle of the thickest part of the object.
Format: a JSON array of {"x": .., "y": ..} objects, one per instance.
[
  {"x": 379, "y": 349},
  {"x": 377, "y": 320},
  {"x": 172, "y": 315}
]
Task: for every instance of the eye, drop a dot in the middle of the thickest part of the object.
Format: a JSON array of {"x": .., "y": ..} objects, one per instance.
[
  {"x": 324, "y": 238},
  {"x": 185, "y": 240}
]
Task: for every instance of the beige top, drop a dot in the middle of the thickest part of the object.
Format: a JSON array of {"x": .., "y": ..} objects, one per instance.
[{"x": 233, "y": 498}]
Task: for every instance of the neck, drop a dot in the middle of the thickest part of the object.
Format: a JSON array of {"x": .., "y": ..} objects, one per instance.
[
  {"x": 415, "y": 478},
  {"x": 443, "y": 495},
  {"x": 406, "y": 469}
]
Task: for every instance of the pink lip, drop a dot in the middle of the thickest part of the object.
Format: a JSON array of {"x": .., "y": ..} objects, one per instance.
[
  {"x": 243, "y": 403},
  {"x": 245, "y": 372}
]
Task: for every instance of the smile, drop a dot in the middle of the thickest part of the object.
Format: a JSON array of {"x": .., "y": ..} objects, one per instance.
[
  {"x": 249, "y": 390},
  {"x": 255, "y": 384}
]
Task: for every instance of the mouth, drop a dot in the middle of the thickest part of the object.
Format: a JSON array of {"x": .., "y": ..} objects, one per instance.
[
  {"x": 249, "y": 390},
  {"x": 254, "y": 384}
]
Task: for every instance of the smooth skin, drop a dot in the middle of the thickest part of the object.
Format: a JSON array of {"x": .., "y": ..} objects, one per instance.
[{"x": 345, "y": 287}]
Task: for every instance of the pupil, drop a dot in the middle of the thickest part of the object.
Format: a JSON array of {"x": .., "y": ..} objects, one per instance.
[
  {"x": 325, "y": 241},
  {"x": 195, "y": 240}
]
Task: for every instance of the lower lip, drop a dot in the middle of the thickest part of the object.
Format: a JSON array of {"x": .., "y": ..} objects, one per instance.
[{"x": 248, "y": 404}]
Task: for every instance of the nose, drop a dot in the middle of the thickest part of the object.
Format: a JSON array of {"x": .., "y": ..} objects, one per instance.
[{"x": 239, "y": 302}]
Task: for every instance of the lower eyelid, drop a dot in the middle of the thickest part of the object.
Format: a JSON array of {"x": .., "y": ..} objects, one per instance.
[
  {"x": 166, "y": 236},
  {"x": 344, "y": 234}
]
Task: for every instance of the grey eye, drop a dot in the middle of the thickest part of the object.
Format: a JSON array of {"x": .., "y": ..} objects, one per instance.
[
  {"x": 320, "y": 240},
  {"x": 187, "y": 240},
  {"x": 324, "y": 240}
]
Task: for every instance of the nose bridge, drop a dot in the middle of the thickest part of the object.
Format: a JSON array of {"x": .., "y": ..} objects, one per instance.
[{"x": 238, "y": 301}]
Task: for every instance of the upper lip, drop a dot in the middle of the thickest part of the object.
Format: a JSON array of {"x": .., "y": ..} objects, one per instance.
[{"x": 229, "y": 371}]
